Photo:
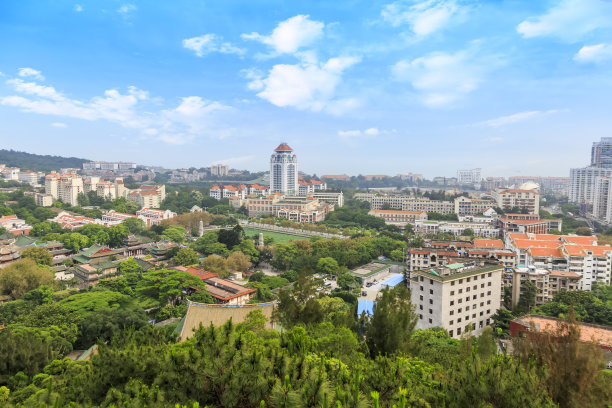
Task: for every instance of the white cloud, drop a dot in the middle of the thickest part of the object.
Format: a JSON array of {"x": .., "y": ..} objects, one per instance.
[
  {"x": 232, "y": 161},
  {"x": 291, "y": 34},
  {"x": 517, "y": 117},
  {"x": 354, "y": 137},
  {"x": 126, "y": 8},
  {"x": 78, "y": 8},
  {"x": 569, "y": 20},
  {"x": 594, "y": 53},
  {"x": 424, "y": 17},
  {"x": 59, "y": 125},
  {"x": 305, "y": 86},
  {"x": 30, "y": 72},
  {"x": 208, "y": 43},
  {"x": 192, "y": 117},
  {"x": 441, "y": 79}
]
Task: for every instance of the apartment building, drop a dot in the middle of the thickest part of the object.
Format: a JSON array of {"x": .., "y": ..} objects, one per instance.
[
  {"x": 472, "y": 176},
  {"x": 101, "y": 165},
  {"x": 411, "y": 177},
  {"x": 219, "y": 170},
  {"x": 10, "y": 173},
  {"x": 71, "y": 222},
  {"x": 336, "y": 199},
  {"x": 145, "y": 199},
  {"x": 241, "y": 191},
  {"x": 43, "y": 200},
  {"x": 14, "y": 225},
  {"x": 33, "y": 178},
  {"x": 457, "y": 297},
  {"x": 152, "y": 216},
  {"x": 509, "y": 199},
  {"x": 471, "y": 206},
  {"x": 547, "y": 282},
  {"x": 583, "y": 184},
  {"x": 457, "y": 228},
  {"x": 398, "y": 217},
  {"x": 568, "y": 253},
  {"x": 528, "y": 223},
  {"x": 115, "y": 218},
  {"x": 405, "y": 203}
]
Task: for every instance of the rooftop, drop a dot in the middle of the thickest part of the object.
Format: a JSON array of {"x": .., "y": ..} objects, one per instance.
[{"x": 457, "y": 270}]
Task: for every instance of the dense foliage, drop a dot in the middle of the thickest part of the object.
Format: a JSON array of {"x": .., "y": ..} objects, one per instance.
[{"x": 37, "y": 162}]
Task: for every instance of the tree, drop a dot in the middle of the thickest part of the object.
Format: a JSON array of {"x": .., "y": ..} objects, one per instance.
[
  {"x": 528, "y": 297},
  {"x": 327, "y": 266},
  {"x": 129, "y": 265},
  {"x": 573, "y": 368},
  {"x": 391, "y": 326},
  {"x": 134, "y": 225},
  {"x": 22, "y": 276},
  {"x": 216, "y": 264},
  {"x": 501, "y": 322},
  {"x": 237, "y": 261},
  {"x": 168, "y": 286},
  {"x": 186, "y": 256},
  {"x": 175, "y": 233},
  {"x": 75, "y": 241},
  {"x": 39, "y": 255},
  {"x": 468, "y": 232},
  {"x": 117, "y": 235},
  {"x": 231, "y": 237}
]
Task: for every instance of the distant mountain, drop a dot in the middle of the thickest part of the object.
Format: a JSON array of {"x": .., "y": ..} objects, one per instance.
[{"x": 37, "y": 162}]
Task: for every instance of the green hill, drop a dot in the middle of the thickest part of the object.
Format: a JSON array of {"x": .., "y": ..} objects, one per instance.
[{"x": 37, "y": 162}]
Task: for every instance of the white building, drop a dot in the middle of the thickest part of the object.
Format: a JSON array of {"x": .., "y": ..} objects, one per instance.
[
  {"x": 457, "y": 296},
  {"x": 284, "y": 171},
  {"x": 115, "y": 218},
  {"x": 583, "y": 184},
  {"x": 153, "y": 217},
  {"x": 10, "y": 173},
  {"x": 31, "y": 177},
  {"x": 406, "y": 203},
  {"x": 65, "y": 187},
  {"x": 510, "y": 199},
  {"x": 472, "y": 176},
  {"x": 219, "y": 170}
]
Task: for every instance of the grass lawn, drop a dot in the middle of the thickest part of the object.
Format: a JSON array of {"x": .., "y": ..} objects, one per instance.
[{"x": 277, "y": 236}]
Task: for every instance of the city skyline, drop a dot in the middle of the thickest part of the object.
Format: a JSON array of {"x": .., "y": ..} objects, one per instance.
[{"x": 377, "y": 87}]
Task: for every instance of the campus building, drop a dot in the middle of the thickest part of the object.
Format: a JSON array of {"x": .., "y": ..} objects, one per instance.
[
  {"x": 457, "y": 297},
  {"x": 284, "y": 170}
]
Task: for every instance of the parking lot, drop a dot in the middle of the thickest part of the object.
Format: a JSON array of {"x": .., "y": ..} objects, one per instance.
[{"x": 372, "y": 291}]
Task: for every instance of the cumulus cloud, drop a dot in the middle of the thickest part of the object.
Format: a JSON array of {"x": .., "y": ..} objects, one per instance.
[
  {"x": 440, "y": 78},
  {"x": 30, "y": 72},
  {"x": 209, "y": 43},
  {"x": 570, "y": 20},
  {"x": 424, "y": 17},
  {"x": 517, "y": 117},
  {"x": 290, "y": 35},
  {"x": 594, "y": 53},
  {"x": 78, "y": 8},
  {"x": 192, "y": 117},
  {"x": 59, "y": 125},
  {"x": 305, "y": 86}
]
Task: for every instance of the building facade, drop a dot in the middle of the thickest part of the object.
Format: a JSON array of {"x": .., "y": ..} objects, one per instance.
[
  {"x": 284, "y": 171},
  {"x": 457, "y": 297},
  {"x": 472, "y": 176},
  {"x": 511, "y": 199}
]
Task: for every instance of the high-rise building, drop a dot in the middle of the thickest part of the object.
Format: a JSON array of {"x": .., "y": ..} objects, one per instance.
[
  {"x": 472, "y": 176},
  {"x": 601, "y": 153},
  {"x": 219, "y": 170},
  {"x": 284, "y": 170}
]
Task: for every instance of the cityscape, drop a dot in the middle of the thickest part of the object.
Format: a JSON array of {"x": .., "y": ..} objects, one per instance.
[{"x": 348, "y": 218}]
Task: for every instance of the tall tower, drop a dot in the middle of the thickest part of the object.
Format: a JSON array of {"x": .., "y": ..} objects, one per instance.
[
  {"x": 284, "y": 170},
  {"x": 601, "y": 153}
]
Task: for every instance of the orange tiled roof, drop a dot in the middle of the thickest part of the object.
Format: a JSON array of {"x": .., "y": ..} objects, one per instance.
[
  {"x": 546, "y": 252},
  {"x": 489, "y": 243}
]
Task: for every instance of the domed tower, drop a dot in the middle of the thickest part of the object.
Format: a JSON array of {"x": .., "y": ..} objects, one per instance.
[{"x": 284, "y": 170}]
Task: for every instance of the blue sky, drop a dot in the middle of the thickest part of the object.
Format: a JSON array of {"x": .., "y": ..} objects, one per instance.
[{"x": 429, "y": 86}]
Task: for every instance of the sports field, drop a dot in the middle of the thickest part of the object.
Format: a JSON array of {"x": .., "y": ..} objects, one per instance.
[{"x": 277, "y": 236}]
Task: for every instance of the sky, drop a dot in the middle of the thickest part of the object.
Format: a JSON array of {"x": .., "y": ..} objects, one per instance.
[{"x": 356, "y": 87}]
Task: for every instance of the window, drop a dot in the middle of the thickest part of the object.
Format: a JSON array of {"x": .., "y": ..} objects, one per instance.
[
  {"x": 467, "y": 299},
  {"x": 489, "y": 293},
  {"x": 460, "y": 301},
  {"x": 421, "y": 297},
  {"x": 451, "y": 322},
  {"x": 475, "y": 287},
  {"x": 452, "y": 293},
  {"x": 458, "y": 331},
  {"x": 452, "y": 312},
  {"x": 431, "y": 291},
  {"x": 459, "y": 310},
  {"x": 421, "y": 288},
  {"x": 474, "y": 316},
  {"x": 489, "y": 275},
  {"x": 450, "y": 333},
  {"x": 467, "y": 289},
  {"x": 481, "y": 304},
  {"x": 431, "y": 281},
  {"x": 431, "y": 301},
  {"x": 488, "y": 302},
  {"x": 452, "y": 302},
  {"x": 460, "y": 281},
  {"x": 458, "y": 320},
  {"x": 488, "y": 312},
  {"x": 460, "y": 290},
  {"x": 481, "y": 313},
  {"x": 421, "y": 278},
  {"x": 482, "y": 285},
  {"x": 474, "y": 297},
  {"x": 468, "y": 279},
  {"x": 429, "y": 321},
  {"x": 421, "y": 307},
  {"x": 467, "y": 308},
  {"x": 482, "y": 294},
  {"x": 430, "y": 311},
  {"x": 452, "y": 283},
  {"x": 489, "y": 284},
  {"x": 421, "y": 316}
]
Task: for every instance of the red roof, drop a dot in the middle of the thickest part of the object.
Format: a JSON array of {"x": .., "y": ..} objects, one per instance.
[{"x": 283, "y": 147}]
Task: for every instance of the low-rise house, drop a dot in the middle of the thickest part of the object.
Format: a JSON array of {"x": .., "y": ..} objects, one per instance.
[
  {"x": 15, "y": 225},
  {"x": 70, "y": 221},
  {"x": 91, "y": 274},
  {"x": 399, "y": 218},
  {"x": 152, "y": 216}
]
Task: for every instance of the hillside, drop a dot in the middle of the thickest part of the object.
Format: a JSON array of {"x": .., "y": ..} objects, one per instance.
[{"x": 37, "y": 162}]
